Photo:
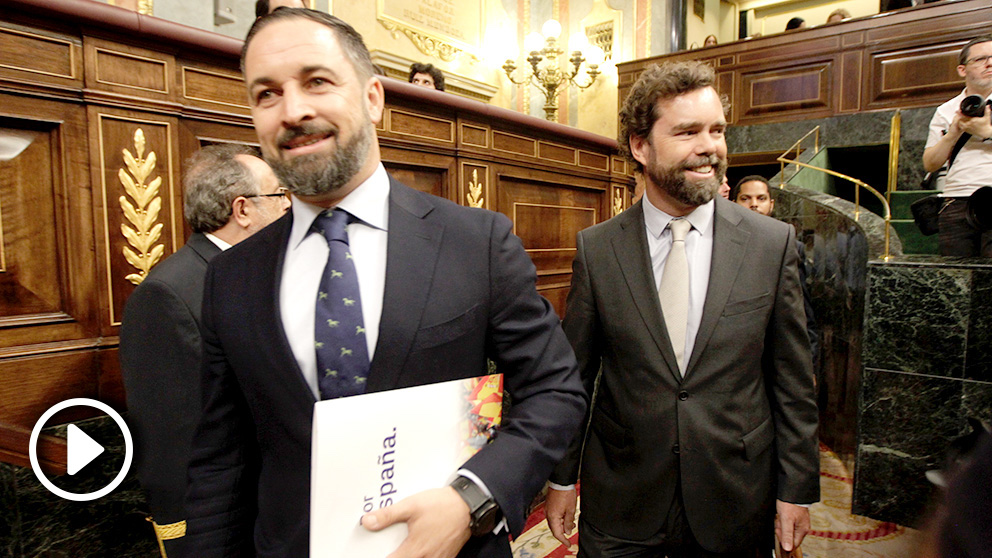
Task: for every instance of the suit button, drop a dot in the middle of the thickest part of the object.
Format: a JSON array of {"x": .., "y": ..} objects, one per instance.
[
  {"x": 683, "y": 395},
  {"x": 675, "y": 449}
]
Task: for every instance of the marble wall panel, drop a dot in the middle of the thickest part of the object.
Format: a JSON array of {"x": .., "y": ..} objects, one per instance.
[
  {"x": 978, "y": 360},
  {"x": 926, "y": 355},
  {"x": 918, "y": 320},
  {"x": 868, "y": 128},
  {"x": 34, "y": 522}
]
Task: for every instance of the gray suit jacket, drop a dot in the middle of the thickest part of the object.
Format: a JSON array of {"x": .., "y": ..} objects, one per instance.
[
  {"x": 738, "y": 431},
  {"x": 161, "y": 357}
]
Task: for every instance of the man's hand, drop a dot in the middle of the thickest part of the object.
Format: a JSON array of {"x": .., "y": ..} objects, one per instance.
[
  {"x": 559, "y": 507},
  {"x": 438, "y": 521},
  {"x": 978, "y": 126},
  {"x": 791, "y": 524}
]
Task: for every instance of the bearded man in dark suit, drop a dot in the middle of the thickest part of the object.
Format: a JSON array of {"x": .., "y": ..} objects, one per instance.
[
  {"x": 228, "y": 195},
  {"x": 442, "y": 287},
  {"x": 686, "y": 310}
]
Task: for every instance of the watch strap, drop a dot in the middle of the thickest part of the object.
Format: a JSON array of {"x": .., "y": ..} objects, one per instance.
[{"x": 482, "y": 508}]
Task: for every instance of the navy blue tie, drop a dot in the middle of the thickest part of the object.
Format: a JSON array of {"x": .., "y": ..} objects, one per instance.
[{"x": 339, "y": 329}]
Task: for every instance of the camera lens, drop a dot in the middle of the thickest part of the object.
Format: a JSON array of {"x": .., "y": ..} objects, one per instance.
[{"x": 973, "y": 105}]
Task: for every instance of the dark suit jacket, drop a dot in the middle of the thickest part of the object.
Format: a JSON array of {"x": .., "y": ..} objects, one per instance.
[
  {"x": 738, "y": 431},
  {"x": 459, "y": 288},
  {"x": 161, "y": 359}
]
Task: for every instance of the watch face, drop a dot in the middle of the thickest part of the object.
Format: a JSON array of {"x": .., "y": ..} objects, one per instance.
[{"x": 484, "y": 519}]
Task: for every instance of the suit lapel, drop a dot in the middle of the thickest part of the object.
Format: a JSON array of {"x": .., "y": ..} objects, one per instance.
[
  {"x": 273, "y": 249},
  {"x": 729, "y": 243},
  {"x": 630, "y": 246},
  {"x": 411, "y": 254}
]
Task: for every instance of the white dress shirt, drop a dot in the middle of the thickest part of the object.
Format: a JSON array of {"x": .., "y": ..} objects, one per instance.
[
  {"x": 698, "y": 254},
  {"x": 306, "y": 256},
  {"x": 223, "y": 245}
]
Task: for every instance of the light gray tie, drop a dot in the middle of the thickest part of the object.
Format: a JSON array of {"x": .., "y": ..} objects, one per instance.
[{"x": 674, "y": 291}]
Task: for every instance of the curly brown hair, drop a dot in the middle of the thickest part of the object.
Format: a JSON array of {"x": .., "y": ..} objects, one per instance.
[{"x": 657, "y": 83}]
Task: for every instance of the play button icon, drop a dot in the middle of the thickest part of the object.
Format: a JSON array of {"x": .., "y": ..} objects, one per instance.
[{"x": 81, "y": 449}]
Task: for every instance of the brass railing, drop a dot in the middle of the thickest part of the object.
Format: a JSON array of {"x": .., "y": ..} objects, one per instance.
[
  {"x": 895, "y": 130},
  {"x": 815, "y": 132}
]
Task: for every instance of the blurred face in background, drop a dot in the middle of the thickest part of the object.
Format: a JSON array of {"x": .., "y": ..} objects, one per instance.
[{"x": 754, "y": 195}]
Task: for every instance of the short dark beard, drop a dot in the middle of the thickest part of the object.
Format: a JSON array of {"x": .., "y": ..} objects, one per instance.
[
  {"x": 673, "y": 181},
  {"x": 319, "y": 173}
]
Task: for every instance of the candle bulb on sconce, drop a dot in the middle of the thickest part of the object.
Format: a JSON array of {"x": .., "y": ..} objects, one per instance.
[{"x": 546, "y": 69}]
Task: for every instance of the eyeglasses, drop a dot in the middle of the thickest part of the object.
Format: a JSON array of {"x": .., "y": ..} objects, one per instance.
[
  {"x": 980, "y": 60},
  {"x": 276, "y": 195}
]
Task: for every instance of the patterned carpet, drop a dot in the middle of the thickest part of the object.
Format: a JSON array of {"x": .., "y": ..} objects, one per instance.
[{"x": 836, "y": 532}]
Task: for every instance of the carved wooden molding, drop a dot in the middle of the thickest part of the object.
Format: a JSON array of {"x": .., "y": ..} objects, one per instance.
[{"x": 142, "y": 253}]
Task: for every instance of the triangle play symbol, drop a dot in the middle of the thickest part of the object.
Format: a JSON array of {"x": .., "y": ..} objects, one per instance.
[{"x": 80, "y": 449}]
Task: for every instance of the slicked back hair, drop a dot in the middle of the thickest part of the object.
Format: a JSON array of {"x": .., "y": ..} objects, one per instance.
[
  {"x": 658, "y": 83},
  {"x": 966, "y": 51},
  {"x": 349, "y": 40},
  {"x": 214, "y": 179}
]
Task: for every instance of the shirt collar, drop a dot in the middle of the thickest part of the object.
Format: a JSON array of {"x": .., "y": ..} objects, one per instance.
[
  {"x": 657, "y": 220},
  {"x": 369, "y": 202},
  {"x": 223, "y": 245}
]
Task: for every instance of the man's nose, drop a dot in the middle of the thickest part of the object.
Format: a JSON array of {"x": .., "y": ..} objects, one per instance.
[{"x": 296, "y": 107}]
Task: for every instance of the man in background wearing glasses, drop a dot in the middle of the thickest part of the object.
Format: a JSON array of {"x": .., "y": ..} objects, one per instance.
[
  {"x": 971, "y": 168},
  {"x": 229, "y": 194}
]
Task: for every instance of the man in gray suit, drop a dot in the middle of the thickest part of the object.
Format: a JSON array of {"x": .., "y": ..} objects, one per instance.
[
  {"x": 229, "y": 194},
  {"x": 693, "y": 445}
]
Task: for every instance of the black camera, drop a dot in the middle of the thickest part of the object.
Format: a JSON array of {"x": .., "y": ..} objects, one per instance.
[{"x": 973, "y": 105}]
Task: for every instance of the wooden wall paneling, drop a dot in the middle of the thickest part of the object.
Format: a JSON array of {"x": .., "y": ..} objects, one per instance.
[
  {"x": 431, "y": 173},
  {"x": 136, "y": 227},
  {"x": 725, "y": 87},
  {"x": 851, "y": 81},
  {"x": 29, "y": 254},
  {"x": 595, "y": 161},
  {"x": 777, "y": 92},
  {"x": 413, "y": 126},
  {"x": 53, "y": 379},
  {"x": 136, "y": 75},
  {"x": 547, "y": 211},
  {"x": 473, "y": 135},
  {"x": 894, "y": 60},
  {"x": 516, "y": 146},
  {"x": 215, "y": 89},
  {"x": 46, "y": 226},
  {"x": 37, "y": 56},
  {"x": 911, "y": 76}
]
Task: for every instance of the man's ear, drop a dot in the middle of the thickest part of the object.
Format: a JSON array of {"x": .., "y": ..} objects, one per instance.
[
  {"x": 962, "y": 71},
  {"x": 639, "y": 149},
  {"x": 375, "y": 99},
  {"x": 239, "y": 212}
]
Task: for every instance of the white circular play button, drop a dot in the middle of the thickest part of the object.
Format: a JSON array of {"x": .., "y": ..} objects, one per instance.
[{"x": 81, "y": 449}]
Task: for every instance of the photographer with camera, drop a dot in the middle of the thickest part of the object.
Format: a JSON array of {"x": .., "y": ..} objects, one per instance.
[{"x": 961, "y": 138}]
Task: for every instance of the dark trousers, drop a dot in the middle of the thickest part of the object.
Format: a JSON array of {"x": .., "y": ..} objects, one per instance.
[
  {"x": 957, "y": 237},
  {"x": 674, "y": 540}
]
